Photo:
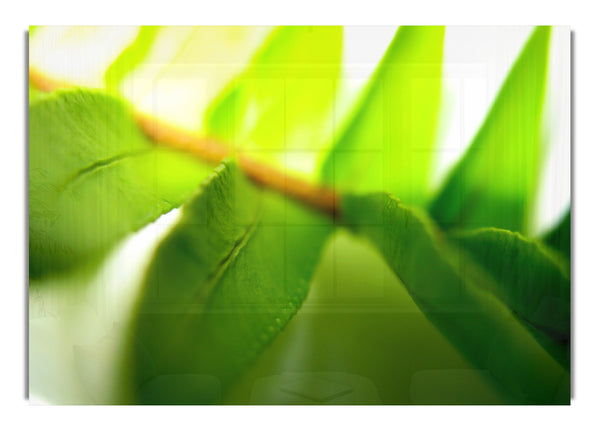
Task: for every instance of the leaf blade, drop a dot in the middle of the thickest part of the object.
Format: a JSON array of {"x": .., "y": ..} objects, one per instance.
[
  {"x": 185, "y": 70},
  {"x": 130, "y": 57},
  {"x": 494, "y": 183},
  {"x": 94, "y": 177},
  {"x": 282, "y": 100},
  {"x": 457, "y": 297},
  {"x": 559, "y": 238},
  {"x": 532, "y": 281},
  {"x": 230, "y": 275},
  {"x": 393, "y": 130}
]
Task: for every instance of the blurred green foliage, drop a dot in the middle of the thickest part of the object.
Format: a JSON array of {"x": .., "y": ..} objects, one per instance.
[
  {"x": 471, "y": 306},
  {"x": 495, "y": 181},
  {"x": 446, "y": 296},
  {"x": 389, "y": 142}
]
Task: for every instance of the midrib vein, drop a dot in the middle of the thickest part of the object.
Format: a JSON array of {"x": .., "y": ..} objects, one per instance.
[
  {"x": 213, "y": 279},
  {"x": 317, "y": 196},
  {"x": 89, "y": 170}
]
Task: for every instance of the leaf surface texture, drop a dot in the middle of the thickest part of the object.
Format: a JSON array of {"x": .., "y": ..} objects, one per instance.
[
  {"x": 459, "y": 297},
  {"x": 94, "y": 177},
  {"x": 221, "y": 286}
]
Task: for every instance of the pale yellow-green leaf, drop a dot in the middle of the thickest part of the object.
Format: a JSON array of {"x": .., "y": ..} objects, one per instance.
[
  {"x": 389, "y": 142},
  {"x": 281, "y": 104},
  {"x": 186, "y": 68}
]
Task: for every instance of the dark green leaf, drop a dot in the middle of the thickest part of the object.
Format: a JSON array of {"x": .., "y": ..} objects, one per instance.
[
  {"x": 531, "y": 279},
  {"x": 494, "y": 183},
  {"x": 388, "y": 144},
  {"x": 559, "y": 238},
  {"x": 359, "y": 328},
  {"x": 458, "y": 297},
  {"x": 220, "y": 287},
  {"x": 94, "y": 177}
]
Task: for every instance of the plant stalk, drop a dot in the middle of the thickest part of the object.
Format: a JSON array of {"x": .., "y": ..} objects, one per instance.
[{"x": 319, "y": 197}]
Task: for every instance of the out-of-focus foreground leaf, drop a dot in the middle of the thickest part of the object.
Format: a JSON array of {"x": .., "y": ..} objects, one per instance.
[
  {"x": 559, "y": 238},
  {"x": 389, "y": 142},
  {"x": 131, "y": 57},
  {"x": 283, "y": 100},
  {"x": 94, "y": 177},
  {"x": 494, "y": 183},
  {"x": 220, "y": 287},
  {"x": 360, "y": 339},
  {"x": 531, "y": 279},
  {"x": 458, "y": 297}
]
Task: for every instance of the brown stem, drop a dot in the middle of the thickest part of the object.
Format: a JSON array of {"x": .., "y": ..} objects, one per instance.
[
  {"x": 45, "y": 83},
  {"x": 319, "y": 197}
]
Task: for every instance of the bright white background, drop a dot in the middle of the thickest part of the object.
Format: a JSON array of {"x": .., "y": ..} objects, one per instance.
[{"x": 16, "y": 413}]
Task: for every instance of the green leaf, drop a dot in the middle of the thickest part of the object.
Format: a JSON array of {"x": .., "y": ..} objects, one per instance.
[
  {"x": 221, "y": 285},
  {"x": 388, "y": 144},
  {"x": 559, "y": 238},
  {"x": 360, "y": 328},
  {"x": 186, "y": 68},
  {"x": 283, "y": 100},
  {"x": 34, "y": 93},
  {"x": 94, "y": 177},
  {"x": 531, "y": 279},
  {"x": 494, "y": 183},
  {"x": 458, "y": 297},
  {"x": 131, "y": 57}
]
